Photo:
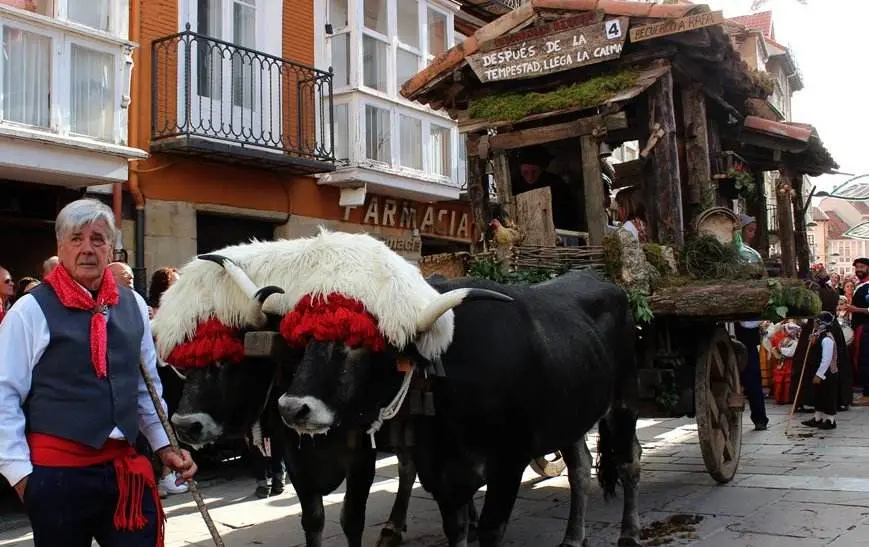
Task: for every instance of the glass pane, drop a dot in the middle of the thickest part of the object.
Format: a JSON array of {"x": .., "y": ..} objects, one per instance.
[
  {"x": 209, "y": 59},
  {"x": 410, "y": 135},
  {"x": 437, "y": 33},
  {"x": 340, "y": 44},
  {"x": 376, "y": 16},
  {"x": 26, "y": 77},
  {"x": 42, "y": 7},
  {"x": 338, "y": 14},
  {"x": 342, "y": 133},
  {"x": 92, "y": 85},
  {"x": 408, "y": 22},
  {"x": 246, "y": 67},
  {"x": 92, "y": 13},
  {"x": 374, "y": 54},
  {"x": 440, "y": 150},
  {"x": 407, "y": 65},
  {"x": 377, "y": 143}
]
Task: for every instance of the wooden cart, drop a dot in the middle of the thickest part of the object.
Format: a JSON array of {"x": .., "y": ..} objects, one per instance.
[{"x": 578, "y": 82}]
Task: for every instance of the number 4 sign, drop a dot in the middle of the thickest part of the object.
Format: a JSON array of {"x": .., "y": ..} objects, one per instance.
[{"x": 613, "y": 29}]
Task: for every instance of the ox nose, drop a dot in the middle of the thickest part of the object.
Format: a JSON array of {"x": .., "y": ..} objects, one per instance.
[
  {"x": 294, "y": 409},
  {"x": 195, "y": 428}
]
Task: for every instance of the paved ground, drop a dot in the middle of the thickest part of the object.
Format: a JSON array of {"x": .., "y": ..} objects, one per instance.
[{"x": 791, "y": 491}]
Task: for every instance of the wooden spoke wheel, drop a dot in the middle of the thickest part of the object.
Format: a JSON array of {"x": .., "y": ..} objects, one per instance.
[
  {"x": 719, "y": 404},
  {"x": 549, "y": 466}
]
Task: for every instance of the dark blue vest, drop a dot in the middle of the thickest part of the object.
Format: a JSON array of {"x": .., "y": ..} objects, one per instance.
[{"x": 66, "y": 398}]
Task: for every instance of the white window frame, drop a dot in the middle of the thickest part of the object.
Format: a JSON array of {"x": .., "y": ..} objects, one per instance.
[
  {"x": 450, "y": 38},
  {"x": 429, "y": 162},
  {"x": 62, "y": 36},
  {"x": 118, "y": 18},
  {"x": 352, "y": 128}
]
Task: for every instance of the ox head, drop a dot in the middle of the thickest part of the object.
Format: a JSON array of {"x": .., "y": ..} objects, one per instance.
[
  {"x": 346, "y": 379},
  {"x": 224, "y": 392}
]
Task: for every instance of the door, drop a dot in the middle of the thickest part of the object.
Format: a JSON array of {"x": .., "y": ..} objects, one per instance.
[
  {"x": 229, "y": 72},
  {"x": 215, "y": 231}
]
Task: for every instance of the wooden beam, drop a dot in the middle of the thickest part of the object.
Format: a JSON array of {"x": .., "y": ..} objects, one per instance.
[
  {"x": 593, "y": 190},
  {"x": 801, "y": 238},
  {"x": 785, "y": 214},
  {"x": 478, "y": 192},
  {"x": 699, "y": 187},
  {"x": 501, "y": 174},
  {"x": 665, "y": 165},
  {"x": 556, "y": 132}
]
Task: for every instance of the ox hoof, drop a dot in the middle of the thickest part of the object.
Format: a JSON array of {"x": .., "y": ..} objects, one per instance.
[{"x": 389, "y": 538}]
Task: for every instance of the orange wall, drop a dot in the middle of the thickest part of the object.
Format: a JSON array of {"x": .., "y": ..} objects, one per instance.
[{"x": 177, "y": 178}]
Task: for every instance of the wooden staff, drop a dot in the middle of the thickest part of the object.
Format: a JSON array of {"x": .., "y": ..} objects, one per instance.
[{"x": 173, "y": 442}]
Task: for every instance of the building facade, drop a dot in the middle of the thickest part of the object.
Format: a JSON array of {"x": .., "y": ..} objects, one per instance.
[
  {"x": 248, "y": 125},
  {"x": 64, "y": 116}
]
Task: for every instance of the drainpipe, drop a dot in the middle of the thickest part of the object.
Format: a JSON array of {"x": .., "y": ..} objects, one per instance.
[{"x": 139, "y": 270}]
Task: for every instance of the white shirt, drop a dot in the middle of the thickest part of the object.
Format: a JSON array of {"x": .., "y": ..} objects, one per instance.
[
  {"x": 24, "y": 336},
  {"x": 827, "y": 347}
]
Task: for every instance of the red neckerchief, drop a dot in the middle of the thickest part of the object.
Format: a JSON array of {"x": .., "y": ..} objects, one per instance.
[{"x": 74, "y": 296}]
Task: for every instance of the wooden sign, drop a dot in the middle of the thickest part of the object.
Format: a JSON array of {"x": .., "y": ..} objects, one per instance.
[
  {"x": 552, "y": 53},
  {"x": 443, "y": 220},
  {"x": 559, "y": 25},
  {"x": 675, "y": 26},
  {"x": 404, "y": 244}
]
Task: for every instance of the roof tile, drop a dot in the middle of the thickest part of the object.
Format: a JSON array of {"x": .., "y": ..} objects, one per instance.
[{"x": 757, "y": 21}]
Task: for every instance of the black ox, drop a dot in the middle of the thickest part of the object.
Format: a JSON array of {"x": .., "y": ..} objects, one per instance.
[{"x": 522, "y": 379}]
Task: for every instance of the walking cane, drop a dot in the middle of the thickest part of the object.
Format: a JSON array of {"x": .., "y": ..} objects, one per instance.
[
  {"x": 799, "y": 385},
  {"x": 173, "y": 442}
]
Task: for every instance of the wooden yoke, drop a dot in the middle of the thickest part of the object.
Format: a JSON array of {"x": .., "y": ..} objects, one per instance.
[{"x": 265, "y": 345}]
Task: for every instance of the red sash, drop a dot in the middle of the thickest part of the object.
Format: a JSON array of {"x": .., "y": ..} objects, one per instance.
[{"x": 134, "y": 473}]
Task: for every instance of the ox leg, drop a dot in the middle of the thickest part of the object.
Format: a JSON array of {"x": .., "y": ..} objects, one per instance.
[
  {"x": 629, "y": 475},
  {"x": 393, "y": 531},
  {"x": 455, "y": 522},
  {"x": 502, "y": 486},
  {"x": 360, "y": 477},
  {"x": 313, "y": 517},
  {"x": 579, "y": 463}
]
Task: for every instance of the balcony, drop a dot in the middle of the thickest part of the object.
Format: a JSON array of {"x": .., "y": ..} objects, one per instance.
[{"x": 233, "y": 104}]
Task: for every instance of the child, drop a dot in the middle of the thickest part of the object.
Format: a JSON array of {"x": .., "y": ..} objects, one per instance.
[{"x": 825, "y": 381}]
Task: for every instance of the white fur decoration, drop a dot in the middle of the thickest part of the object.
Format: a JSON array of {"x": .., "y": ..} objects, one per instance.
[{"x": 356, "y": 265}]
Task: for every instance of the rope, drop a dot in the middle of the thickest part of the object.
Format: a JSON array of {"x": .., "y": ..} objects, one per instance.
[{"x": 389, "y": 411}]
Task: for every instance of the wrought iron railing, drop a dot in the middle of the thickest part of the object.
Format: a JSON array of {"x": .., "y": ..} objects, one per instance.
[
  {"x": 772, "y": 217},
  {"x": 210, "y": 88}
]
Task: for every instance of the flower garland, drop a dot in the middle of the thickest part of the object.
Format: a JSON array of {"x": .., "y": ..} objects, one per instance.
[{"x": 332, "y": 318}]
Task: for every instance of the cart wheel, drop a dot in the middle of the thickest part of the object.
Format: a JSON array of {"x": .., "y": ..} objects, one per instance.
[
  {"x": 719, "y": 404},
  {"x": 550, "y": 466}
]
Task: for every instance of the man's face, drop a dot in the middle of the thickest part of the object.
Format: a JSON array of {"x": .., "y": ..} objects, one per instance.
[
  {"x": 85, "y": 253},
  {"x": 530, "y": 172},
  {"x": 7, "y": 286},
  {"x": 861, "y": 271}
]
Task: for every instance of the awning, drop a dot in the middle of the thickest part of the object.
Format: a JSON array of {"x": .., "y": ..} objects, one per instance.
[{"x": 793, "y": 144}]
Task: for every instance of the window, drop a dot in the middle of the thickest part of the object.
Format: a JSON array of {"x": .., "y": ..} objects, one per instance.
[
  {"x": 377, "y": 142},
  {"x": 92, "y": 87},
  {"x": 342, "y": 132},
  {"x": 243, "y": 68},
  {"x": 407, "y": 65},
  {"x": 92, "y": 13},
  {"x": 437, "y": 33},
  {"x": 374, "y": 54},
  {"x": 338, "y": 14},
  {"x": 410, "y": 137},
  {"x": 408, "y": 23},
  {"x": 376, "y": 16},
  {"x": 340, "y": 44},
  {"x": 26, "y": 77},
  {"x": 439, "y": 143}
]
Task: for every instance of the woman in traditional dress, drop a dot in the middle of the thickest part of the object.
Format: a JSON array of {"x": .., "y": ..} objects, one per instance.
[{"x": 825, "y": 372}]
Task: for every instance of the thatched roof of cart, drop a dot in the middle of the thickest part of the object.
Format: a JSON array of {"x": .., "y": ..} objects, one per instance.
[{"x": 702, "y": 54}]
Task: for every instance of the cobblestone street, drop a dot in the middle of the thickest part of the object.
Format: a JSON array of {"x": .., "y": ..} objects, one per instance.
[{"x": 807, "y": 489}]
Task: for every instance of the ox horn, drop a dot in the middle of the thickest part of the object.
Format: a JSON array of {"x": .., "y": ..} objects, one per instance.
[
  {"x": 449, "y": 300},
  {"x": 257, "y": 295}
]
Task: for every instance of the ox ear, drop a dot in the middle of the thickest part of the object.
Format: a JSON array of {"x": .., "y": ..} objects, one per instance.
[
  {"x": 449, "y": 300},
  {"x": 258, "y": 296}
]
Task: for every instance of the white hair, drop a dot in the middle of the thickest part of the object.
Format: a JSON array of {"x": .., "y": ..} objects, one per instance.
[
  {"x": 355, "y": 265},
  {"x": 82, "y": 212}
]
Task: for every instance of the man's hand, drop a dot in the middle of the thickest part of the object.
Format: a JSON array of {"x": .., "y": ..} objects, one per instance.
[
  {"x": 20, "y": 487},
  {"x": 817, "y": 380},
  {"x": 854, "y": 309},
  {"x": 178, "y": 461}
]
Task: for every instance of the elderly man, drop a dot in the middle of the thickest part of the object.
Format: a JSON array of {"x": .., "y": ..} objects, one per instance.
[
  {"x": 122, "y": 273},
  {"x": 72, "y": 399}
]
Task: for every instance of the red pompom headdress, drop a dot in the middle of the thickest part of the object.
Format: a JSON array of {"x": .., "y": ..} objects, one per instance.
[
  {"x": 332, "y": 318},
  {"x": 213, "y": 342}
]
